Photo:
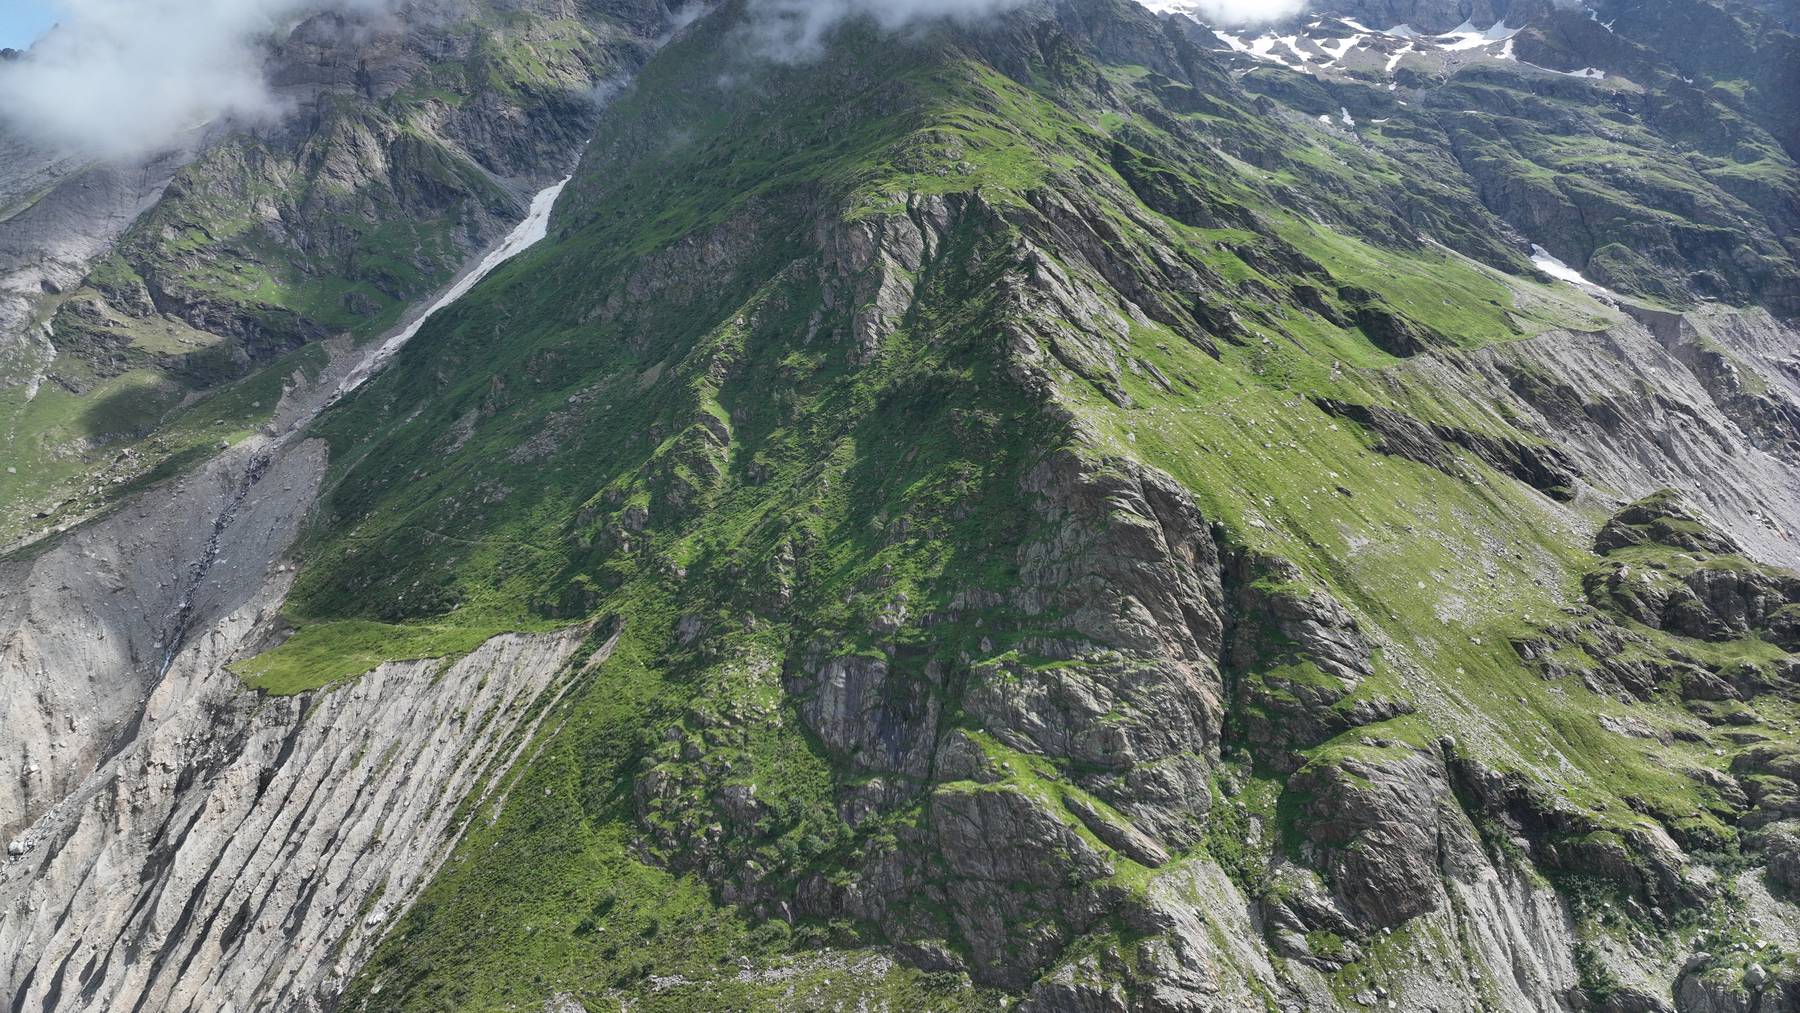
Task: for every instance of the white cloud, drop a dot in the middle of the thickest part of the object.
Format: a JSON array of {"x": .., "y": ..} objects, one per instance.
[
  {"x": 795, "y": 29},
  {"x": 122, "y": 77},
  {"x": 1232, "y": 13}
]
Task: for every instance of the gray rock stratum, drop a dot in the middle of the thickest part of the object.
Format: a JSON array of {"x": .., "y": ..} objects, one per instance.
[
  {"x": 1660, "y": 401},
  {"x": 57, "y": 215},
  {"x": 246, "y": 852}
]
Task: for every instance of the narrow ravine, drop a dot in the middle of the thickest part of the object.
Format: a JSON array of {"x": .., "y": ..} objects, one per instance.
[
  {"x": 220, "y": 798},
  {"x": 195, "y": 595},
  {"x": 523, "y": 236},
  {"x": 531, "y": 230}
]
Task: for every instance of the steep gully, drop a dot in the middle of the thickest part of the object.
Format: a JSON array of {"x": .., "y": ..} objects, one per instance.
[
  {"x": 523, "y": 236},
  {"x": 161, "y": 810}
]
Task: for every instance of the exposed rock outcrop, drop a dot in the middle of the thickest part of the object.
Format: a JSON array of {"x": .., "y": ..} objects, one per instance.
[
  {"x": 256, "y": 848},
  {"x": 1642, "y": 439},
  {"x": 88, "y": 624},
  {"x": 1372, "y": 816},
  {"x": 1689, "y": 579},
  {"x": 1298, "y": 662}
]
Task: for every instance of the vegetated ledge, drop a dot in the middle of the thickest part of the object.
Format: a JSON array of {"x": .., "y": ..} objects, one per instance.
[{"x": 321, "y": 655}]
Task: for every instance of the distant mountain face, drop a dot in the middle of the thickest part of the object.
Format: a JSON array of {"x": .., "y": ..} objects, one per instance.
[
  {"x": 1073, "y": 510},
  {"x": 1487, "y": 77}
]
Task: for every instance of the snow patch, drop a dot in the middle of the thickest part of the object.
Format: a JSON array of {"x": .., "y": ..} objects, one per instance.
[
  {"x": 1263, "y": 49},
  {"x": 1344, "y": 46},
  {"x": 1323, "y": 46},
  {"x": 523, "y": 236},
  {"x": 1467, "y": 36},
  {"x": 1588, "y": 73},
  {"x": 1236, "y": 44},
  {"x": 1547, "y": 262}
]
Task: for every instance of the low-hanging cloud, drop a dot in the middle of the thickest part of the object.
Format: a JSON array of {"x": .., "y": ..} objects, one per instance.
[
  {"x": 118, "y": 78},
  {"x": 796, "y": 29},
  {"x": 1232, "y": 13}
]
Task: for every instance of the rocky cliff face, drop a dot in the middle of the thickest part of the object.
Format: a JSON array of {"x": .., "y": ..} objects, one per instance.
[
  {"x": 1064, "y": 512},
  {"x": 252, "y": 851}
]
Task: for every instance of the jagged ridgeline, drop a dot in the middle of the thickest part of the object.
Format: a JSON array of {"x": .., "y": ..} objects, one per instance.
[{"x": 1023, "y": 515}]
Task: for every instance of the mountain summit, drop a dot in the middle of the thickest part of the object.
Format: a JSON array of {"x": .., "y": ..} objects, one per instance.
[{"x": 1072, "y": 509}]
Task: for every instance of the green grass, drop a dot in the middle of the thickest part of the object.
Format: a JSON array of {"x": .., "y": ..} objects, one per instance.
[
  {"x": 121, "y": 435},
  {"x": 660, "y": 415},
  {"x": 327, "y": 653}
]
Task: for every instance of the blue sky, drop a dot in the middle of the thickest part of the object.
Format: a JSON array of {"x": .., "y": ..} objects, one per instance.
[{"x": 22, "y": 21}]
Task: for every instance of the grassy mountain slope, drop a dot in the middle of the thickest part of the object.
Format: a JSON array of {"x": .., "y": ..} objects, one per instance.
[{"x": 998, "y": 457}]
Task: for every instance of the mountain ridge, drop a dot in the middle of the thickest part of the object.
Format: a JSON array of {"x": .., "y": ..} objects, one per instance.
[{"x": 1046, "y": 520}]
